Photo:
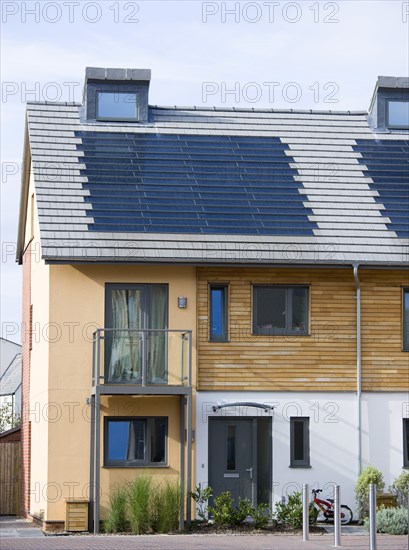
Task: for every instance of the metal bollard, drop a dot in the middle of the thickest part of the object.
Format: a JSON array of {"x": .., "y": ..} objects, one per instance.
[
  {"x": 337, "y": 515},
  {"x": 305, "y": 512},
  {"x": 372, "y": 517}
]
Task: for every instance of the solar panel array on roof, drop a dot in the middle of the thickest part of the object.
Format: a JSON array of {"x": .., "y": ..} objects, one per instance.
[
  {"x": 170, "y": 183},
  {"x": 388, "y": 166}
]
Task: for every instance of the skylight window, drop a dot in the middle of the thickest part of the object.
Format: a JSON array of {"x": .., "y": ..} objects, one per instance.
[
  {"x": 398, "y": 114},
  {"x": 117, "y": 106}
]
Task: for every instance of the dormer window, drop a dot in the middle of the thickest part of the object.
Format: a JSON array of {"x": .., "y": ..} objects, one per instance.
[
  {"x": 117, "y": 106},
  {"x": 397, "y": 114}
]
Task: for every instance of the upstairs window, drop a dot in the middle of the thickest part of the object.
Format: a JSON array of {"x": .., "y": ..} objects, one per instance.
[
  {"x": 405, "y": 319},
  {"x": 218, "y": 313},
  {"x": 280, "y": 310},
  {"x": 398, "y": 114},
  {"x": 117, "y": 106}
]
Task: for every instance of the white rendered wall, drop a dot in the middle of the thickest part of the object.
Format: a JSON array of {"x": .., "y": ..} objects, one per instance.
[{"x": 333, "y": 436}]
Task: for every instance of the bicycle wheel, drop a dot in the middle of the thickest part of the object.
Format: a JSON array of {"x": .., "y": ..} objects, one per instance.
[{"x": 346, "y": 514}]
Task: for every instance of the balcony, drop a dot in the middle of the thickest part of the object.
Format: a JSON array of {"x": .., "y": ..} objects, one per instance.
[{"x": 149, "y": 361}]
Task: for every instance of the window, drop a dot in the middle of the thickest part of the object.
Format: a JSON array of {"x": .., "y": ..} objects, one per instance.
[
  {"x": 131, "y": 354},
  {"x": 117, "y": 106},
  {"x": 406, "y": 442},
  {"x": 132, "y": 442},
  {"x": 280, "y": 310},
  {"x": 231, "y": 448},
  {"x": 218, "y": 313},
  {"x": 299, "y": 442},
  {"x": 398, "y": 114},
  {"x": 405, "y": 319}
]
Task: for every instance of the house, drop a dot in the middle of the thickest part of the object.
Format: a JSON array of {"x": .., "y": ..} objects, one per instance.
[
  {"x": 10, "y": 378},
  {"x": 218, "y": 295}
]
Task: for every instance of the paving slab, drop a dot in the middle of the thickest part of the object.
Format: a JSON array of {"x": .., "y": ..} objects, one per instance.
[
  {"x": 200, "y": 542},
  {"x": 13, "y": 527}
]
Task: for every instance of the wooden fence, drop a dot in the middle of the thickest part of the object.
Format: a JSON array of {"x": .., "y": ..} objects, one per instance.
[{"x": 10, "y": 465}]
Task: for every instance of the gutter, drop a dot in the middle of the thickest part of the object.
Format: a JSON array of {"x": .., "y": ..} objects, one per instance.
[{"x": 358, "y": 366}]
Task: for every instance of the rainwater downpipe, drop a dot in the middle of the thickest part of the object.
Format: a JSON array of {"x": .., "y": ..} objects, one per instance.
[{"x": 358, "y": 364}]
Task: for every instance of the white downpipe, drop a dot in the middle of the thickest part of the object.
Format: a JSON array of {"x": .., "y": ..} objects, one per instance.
[{"x": 358, "y": 365}]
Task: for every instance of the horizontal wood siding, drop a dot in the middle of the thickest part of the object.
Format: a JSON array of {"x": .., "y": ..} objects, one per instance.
[
  {"x": 325, "y": 360},
  {"x": 384, "y": 365}
]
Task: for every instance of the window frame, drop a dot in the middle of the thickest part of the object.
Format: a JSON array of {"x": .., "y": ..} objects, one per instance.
[
  {"x": 150, "y": 423},
  {"x": 100, "y": 118},
  {"x": 405, "y": 424},
  {"x": 225, "y": 311},
  {"x": 285, "y": 331},
  {"x": 306, "y": 461},
  {"x": 395, "y": 126},
  {"x": 405, "y": 333}
]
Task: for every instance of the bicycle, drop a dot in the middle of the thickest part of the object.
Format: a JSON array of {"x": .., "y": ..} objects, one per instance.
[{"x": 325, "y": 508}]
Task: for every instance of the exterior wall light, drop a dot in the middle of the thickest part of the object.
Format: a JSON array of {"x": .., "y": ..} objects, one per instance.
[{"x": 182, "y": 302}]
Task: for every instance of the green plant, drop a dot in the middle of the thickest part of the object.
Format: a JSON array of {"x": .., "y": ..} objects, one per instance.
[
  {"x": 222, "y": 511},
  {"x": 140, "y": 493},
  {"x": 290, "y": 512},
  {"x": 243, "y": 509},
  {"x": 392, "y": 521},
  {"x": 368, "y": 476},
  {"x": 400, "y": 487},
  {"x": 166, "y": 506},
  {"x": 8, "y": 417},
  {"x": 116, "y": 520},
  {"x": 201, "y": 496},
  {"x": 261, "y": 516}
]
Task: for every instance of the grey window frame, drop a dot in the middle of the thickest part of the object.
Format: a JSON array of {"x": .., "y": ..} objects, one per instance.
[
  {"x": 405, "y": 325},
  {"x": 225, "y": 306},
  {"x": 405, "y": 423},
  {"x": 285, "y": 331},
  {"x": 395, "y": 126},
  {"x": 116, "y": 118},
  {"x": 150, "y": 423},
  {"x": 306, "y": 461}
]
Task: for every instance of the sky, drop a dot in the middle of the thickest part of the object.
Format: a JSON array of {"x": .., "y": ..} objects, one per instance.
[{"x": 267, "y": 54}]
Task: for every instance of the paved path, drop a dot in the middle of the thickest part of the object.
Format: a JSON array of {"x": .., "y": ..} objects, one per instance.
[
  {"x": 12, "y": 527},
  {"x": 199, "y": 542}
]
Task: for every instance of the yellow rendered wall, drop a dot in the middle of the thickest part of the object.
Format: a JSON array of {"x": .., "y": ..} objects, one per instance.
[
  {"x": 39, "y": 399},
  {"x": 77, "y": 301}
]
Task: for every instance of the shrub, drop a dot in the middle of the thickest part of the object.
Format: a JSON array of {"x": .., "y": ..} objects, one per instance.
[
  {"x": 243, "y": 509},
  {"x": 368, "y": 476},
  {"x": 116, "y": 520},
  {"x": 400, "y": 488},
  {"x": 201, "y": 496},
  {"x": 260, "y": 516},
  {"x": 222, "y": 511},
  {"x": 392, "y": 521},
  {"x": 139, "y": 495},
  {"x": 290, "y": 512},
  {"x": 166, "y": 507}
]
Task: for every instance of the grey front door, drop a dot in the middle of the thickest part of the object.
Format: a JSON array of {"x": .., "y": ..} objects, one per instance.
[{"x": 232, "y": 456}]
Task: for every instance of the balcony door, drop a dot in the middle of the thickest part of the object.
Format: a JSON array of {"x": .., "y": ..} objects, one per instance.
[{"x": 135, "y": 351}]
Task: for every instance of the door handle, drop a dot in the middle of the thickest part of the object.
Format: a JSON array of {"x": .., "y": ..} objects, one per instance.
[{"x": 250, "y": 471}]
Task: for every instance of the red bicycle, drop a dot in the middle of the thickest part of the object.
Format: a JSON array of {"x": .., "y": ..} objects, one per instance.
[{"x": 325, "y": 509}]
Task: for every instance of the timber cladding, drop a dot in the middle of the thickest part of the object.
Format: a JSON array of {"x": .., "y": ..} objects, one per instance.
[{"x": 323, "y": 360}]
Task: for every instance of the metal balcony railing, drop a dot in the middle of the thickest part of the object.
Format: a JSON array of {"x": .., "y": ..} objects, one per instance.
[{"x": 148, "y": 357}]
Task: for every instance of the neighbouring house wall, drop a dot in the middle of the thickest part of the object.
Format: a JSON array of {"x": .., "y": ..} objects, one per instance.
[
  {"x": 326, "y": 359},
  {"x": 333, "y": 436},
  {"x": 77, "y": 302}
]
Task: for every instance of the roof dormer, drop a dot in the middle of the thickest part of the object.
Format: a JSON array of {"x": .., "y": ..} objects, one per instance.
[
  {"x": 389, "y": 110},
  {"x": 116, "y": 95}
]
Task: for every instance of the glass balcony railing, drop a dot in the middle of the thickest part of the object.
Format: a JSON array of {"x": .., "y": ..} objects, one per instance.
[{"x": 144, "y": 357}]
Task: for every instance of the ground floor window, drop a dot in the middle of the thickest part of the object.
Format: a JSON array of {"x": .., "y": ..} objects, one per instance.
[
  {"x": 136, "y": 441},
  {"x": 299, "y": 442},
  {"x": 406, "y": 442}
]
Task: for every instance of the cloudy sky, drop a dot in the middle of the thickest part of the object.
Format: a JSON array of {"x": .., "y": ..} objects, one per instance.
[{"x": 284, "y": 55}]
